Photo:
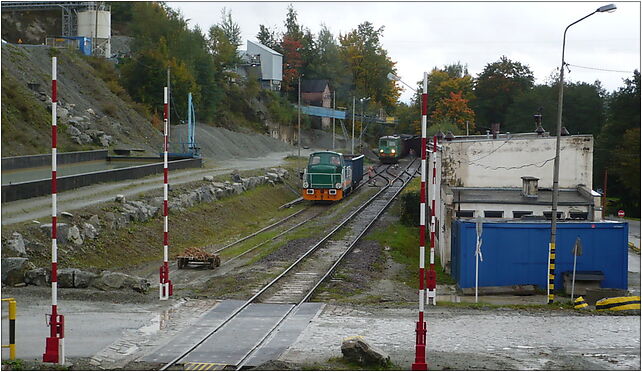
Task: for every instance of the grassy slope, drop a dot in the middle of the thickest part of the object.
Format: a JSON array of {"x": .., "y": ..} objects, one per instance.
[
  {"x": 204, "y": 224},
  {"x": 403, "y": 241}
]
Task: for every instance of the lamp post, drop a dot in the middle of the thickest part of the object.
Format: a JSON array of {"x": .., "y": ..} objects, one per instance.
[
  {"x": 353, "y": 108},
  {"x": 556, "y": 167},
  {"x": 334, "y": 108},
  {"x": 362, "y": 100}
]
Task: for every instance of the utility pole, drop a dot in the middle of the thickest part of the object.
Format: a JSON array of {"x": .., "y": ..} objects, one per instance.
[
  {"x": 334, "y": 108},
  {"x": 361, "y": 131},
  {"x": 299, "y": 119},
  {"x": 353, "y": 109}
]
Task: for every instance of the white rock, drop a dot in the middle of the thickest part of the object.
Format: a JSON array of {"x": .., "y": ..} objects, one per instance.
[{"x": 73, "y": 235}]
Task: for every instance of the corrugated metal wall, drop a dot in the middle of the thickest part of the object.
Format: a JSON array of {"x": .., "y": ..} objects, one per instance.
[{"x": 517, "y": 253}]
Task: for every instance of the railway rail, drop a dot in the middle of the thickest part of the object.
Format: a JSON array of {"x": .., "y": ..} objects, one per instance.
[
  {"x": 380, "y": 172},
  {"x": 297, "y": 283}
]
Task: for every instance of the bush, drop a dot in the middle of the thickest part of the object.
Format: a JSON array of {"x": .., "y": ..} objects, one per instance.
[{"x": 410, "y": 208}]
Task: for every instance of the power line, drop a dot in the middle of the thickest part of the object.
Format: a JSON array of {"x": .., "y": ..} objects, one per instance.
[
  {"x": 599, "y": 69},
  {"x": 472, "y": 162}
]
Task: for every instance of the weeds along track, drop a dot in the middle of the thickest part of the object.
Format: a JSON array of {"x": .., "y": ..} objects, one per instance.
[
  {"x": 381, "y": 173},
  {"x": 296, "y": 284}
]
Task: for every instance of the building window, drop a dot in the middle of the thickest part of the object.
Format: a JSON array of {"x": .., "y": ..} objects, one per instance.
[
  {"x": 578, "y": 215},
  {"x": 465, "y": 213},
  {"x": 548, "y": 215},
  {"x": 494, "y": 214},
  {"x": 519, "y": 214}
]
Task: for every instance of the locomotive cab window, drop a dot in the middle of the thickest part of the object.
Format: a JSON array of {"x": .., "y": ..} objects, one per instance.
[{"x": 325, "y": 159}]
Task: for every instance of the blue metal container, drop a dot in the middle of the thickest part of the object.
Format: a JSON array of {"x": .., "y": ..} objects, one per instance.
[{"x": 517, "y": 253}]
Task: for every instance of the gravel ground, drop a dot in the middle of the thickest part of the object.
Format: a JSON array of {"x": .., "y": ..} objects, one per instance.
[
  {"x": 370, "y": 304},
  {"x": 466, "y": 339}
]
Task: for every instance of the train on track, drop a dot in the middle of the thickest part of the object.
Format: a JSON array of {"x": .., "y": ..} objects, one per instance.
[
  {"x": 331, "y": 176},
  {"x": 392, "y": 148}
]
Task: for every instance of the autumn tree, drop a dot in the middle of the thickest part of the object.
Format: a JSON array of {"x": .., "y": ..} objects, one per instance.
[
  {"x": 442, "y": 82},
  {"x": 292, "y": 62},
  {"x": 496, "y": 88},
  {"x": 455, "y": 110},
  {"x": 369, "y": 63}
]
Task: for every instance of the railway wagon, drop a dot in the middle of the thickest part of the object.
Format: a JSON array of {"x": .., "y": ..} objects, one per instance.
[
  {"x": 413, "y": 143},
  {"x": 331, "y": 176},
  {"x": 393, "y": 148}
]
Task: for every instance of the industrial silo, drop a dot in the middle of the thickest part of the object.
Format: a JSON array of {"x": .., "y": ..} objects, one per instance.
[{"x": 96, "y": 24}]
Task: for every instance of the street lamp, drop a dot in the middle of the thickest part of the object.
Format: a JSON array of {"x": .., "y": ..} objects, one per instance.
[
  {"x": 556, "y": 169},
  {"x": 394, "y": 77}
]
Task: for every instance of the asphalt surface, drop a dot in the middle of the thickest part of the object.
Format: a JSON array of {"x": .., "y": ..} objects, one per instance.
[{"x": 40, "y": 207}]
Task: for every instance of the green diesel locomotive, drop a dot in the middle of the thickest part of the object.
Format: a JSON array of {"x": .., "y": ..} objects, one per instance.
[{"x": 331, "y": 175}]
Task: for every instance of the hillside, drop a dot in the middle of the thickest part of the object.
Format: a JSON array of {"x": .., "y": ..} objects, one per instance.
[{"x": 92, "y": 113}]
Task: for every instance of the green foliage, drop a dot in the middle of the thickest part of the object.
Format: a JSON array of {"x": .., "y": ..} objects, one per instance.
[
  {"x": 369, "y": 62},
  {"x": 280, "y": 109},
  {"x": 618, "y": 146},
  {"x": 268, "y": 37},
  {"x": 583, "y": 113},
  {"x": 231, "y": 29},
  {"x": 496, "y": 88}
]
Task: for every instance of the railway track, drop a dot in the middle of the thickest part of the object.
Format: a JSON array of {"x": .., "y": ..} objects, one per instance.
[
  {"x": 297, "y": 283},
  {"x": 380, "y": 172}
]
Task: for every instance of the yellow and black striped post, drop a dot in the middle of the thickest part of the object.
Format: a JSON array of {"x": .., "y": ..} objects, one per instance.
[
  {"x": 551, "y": 272},
  {"x": 618, "y": 303},
  {"x": 12, "y": 328},
  {"x": 580, "y": 303}
]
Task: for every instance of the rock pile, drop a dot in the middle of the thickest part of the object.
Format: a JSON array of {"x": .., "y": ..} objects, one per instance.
[{"x": 18, "y": 270}]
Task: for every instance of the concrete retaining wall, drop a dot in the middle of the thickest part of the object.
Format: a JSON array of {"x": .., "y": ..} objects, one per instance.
[
  {"x": 25, "y": 190},
  {"x": 41, "y": 160}
]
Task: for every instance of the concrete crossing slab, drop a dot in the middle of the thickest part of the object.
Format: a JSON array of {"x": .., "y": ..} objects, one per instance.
[
  {"x": 287, "y": 334},
  {"x": 232, "y": 342},
  {"x": 190, "y": 335}
]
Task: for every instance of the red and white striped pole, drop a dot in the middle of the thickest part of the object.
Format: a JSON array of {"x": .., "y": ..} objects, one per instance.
[
  {"x": 165, "y": 286},
  {"x": 431, "y": 279},
  {"x": 420, "y": 346},
  {"x": 55, "y": 343}
]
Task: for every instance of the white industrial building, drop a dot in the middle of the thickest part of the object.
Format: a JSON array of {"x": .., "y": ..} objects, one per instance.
[
  {"x": 263, "y": 63},
  {"x": 510, "y": 178}
]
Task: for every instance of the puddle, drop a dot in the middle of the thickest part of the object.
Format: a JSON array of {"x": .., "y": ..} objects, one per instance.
[{"x": 160, "y": 321}]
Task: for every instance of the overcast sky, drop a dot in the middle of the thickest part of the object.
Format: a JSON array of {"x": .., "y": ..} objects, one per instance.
[{"x": 421, "y": 35}]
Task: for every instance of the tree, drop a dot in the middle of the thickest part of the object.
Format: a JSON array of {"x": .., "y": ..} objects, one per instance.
[
  {"x": 452, "y": 78},
  {"x": 496, "y": 88},
  {"x": 268, "y": 37},
  {"x": 618, "y": 146},
  {"x": 455, "y": 110},
  {"x": 292, "y": 28},
  {"x": 292, "y": 62},
  {"x": 369, "y": 63},
  {"x": 230, "y": 28}
]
